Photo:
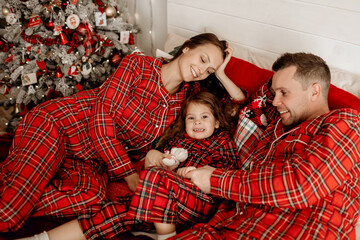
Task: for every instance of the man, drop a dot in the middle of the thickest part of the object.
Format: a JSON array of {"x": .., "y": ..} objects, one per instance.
[{"x": 300, "y": 178}]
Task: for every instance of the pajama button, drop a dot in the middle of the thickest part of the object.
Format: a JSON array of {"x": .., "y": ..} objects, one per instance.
[
  {"x": 156, "y": 126},
  {"x": 164, "y": 105},
  {"x": 126, "y": 147}
]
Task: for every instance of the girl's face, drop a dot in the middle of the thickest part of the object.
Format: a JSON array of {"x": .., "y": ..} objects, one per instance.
[
  {"x": 200, "y": 123},
  {"x": 198, "y": 63}
]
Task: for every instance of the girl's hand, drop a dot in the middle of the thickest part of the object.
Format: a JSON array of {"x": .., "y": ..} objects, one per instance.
[
  {"x": 221, "y": 70},
  {"x": 155, "y": 157},
  {"x": 185, "y": 170}
]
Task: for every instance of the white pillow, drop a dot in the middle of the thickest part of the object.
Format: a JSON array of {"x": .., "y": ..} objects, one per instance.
[{"x": 161, "y": 53}]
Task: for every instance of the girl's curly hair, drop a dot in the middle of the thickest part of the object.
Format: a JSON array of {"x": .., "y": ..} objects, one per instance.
[{"x": 177, "y": 128}]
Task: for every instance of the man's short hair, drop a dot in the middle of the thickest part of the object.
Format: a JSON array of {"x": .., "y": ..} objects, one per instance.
[{"x": 310, "y": 69}]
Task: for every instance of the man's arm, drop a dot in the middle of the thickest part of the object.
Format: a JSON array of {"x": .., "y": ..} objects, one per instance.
[{"x": 297, "y": 182}]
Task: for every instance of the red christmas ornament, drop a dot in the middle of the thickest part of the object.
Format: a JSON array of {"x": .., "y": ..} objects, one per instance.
[
  {"x": 64, "y": 41},
  {"x": 131, "y": 39},
  {"x": 82, "y": 29},
  {"x": 34, "y": 20},
  {"x": 5, "y": 46},
  {"x": 49, "y": 25},
  {"x": 58, "y": 73},
  {"x": 115, "y": 59}
]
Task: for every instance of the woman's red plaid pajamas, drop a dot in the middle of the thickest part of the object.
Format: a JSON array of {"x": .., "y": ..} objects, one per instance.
[{"x": 65, "y": 149}]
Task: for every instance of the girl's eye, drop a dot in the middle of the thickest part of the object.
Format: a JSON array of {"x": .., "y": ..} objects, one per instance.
[
  {"x": 202, "y": 59},
  {"x": 283, "y": 93},
  {"x": 205, "y": 116},
  {"x": 190, "y": 118}
]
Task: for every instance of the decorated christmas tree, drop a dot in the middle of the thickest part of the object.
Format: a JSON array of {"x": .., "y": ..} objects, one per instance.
[{"x": 53, "y": 48}]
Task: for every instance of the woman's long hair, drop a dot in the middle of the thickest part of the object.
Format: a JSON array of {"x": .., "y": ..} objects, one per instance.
[{"x": 199, "y": 40}]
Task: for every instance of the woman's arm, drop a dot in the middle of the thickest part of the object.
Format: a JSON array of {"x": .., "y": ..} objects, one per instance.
[
  {"x": 234, "y": 91},
  {"x": 107, "y": 112}
]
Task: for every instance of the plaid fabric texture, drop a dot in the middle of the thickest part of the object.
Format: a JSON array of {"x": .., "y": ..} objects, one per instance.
[
  {"x": 300, "y": 184},
  {"x": 217, "y": 151},
  {"x": 47, "y": 147},
  {"x": 133, "y": 103},
  {"x": 64, "y": 149},
  {"x": 164, "y": 196}
]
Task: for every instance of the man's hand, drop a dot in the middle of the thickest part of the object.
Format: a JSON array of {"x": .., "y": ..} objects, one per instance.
[
  {"x": 184, "y": 170},
  {"x": 201, "y": 177},
  {"x": 132, "y": 181}
]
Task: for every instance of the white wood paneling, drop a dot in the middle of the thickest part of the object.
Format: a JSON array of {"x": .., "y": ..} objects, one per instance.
[
  {"x": 352, "y": 5},
  {"x": 324, "y": 27}
]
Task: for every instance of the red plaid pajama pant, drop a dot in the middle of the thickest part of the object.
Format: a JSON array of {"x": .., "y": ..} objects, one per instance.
[
  {"x": 40, "y": 177},
  {"x": 163, "y": 196}
]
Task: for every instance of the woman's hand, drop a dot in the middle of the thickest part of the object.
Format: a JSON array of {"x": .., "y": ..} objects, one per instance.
[
  {"x": 185, "y": 170},
  {"x": 132, "y": 181},
  {"x": 220, "y": 72}
]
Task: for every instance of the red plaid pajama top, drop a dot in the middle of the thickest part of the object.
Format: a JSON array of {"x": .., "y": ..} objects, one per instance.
[
  {"x": 63, "y": 148},
  {"x": 300, "y": 183},
  {"x": 217, "y": 151}
]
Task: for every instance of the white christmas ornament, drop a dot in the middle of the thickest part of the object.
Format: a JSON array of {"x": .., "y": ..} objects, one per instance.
[
  {"x": 73, "y": 21},
  {"x": 11, "y": 18}
]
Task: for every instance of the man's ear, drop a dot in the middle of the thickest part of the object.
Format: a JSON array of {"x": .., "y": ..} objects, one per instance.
[{"x": 315, "y": 91}]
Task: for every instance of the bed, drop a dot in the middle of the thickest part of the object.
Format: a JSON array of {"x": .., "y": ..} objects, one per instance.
[{"x": 241, "y": 71}]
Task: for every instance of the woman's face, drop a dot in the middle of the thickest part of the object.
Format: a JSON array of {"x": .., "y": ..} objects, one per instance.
[
  {"x": 198, "y": 63},
  {"x": 200, "y": 123}
]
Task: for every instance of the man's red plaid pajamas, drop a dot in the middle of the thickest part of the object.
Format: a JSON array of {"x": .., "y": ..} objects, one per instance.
[{"x": 296, "y": 184}]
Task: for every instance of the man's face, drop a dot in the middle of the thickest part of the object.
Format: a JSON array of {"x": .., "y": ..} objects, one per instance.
[{"x": 292, "y": 102}]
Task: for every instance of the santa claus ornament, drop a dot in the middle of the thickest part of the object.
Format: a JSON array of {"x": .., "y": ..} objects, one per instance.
[{"x": 73, "y": 21}]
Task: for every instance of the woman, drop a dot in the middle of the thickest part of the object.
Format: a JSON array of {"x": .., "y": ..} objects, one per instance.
[{"x": 64, "y": 150}]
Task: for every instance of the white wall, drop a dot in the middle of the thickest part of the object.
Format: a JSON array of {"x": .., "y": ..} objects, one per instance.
[
  {"x": 328, "y": 28},
  {"x": 149, "y": 15}
]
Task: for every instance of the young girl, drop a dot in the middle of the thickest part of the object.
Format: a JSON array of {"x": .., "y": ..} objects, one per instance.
[
  {"x": 201, "y": 129},
  {"x": 65, "y": 150}
]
